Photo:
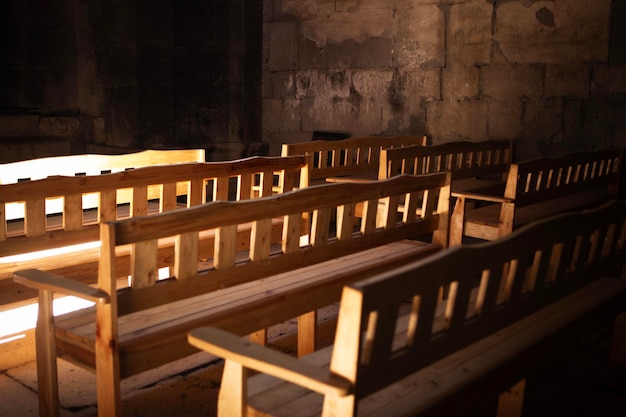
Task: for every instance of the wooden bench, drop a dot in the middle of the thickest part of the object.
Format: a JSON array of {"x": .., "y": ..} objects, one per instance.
[
  {"x": 66, "y": 241},
  {"x": 356, "y": 156},
  {"x": 472, "y": 164},
  {"x": 88, "y": 164},
  {"x": 243, "y": 287},
  {"x": 536, "y": 189},
  {"x": 508, "y": 296}
]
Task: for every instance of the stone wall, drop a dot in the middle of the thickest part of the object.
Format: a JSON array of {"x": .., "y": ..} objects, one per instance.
[
  {"x": 123, "y": 75},
  {"x": 549, "y": 74}
]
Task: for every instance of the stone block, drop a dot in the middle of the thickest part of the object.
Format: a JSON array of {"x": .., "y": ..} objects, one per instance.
[
  {"x": 279, "y": 84},
  {"x": 469, "y": 33},
  {"x": 564, "y": 31},
  {"x": 359, "y": 25},
  {"x": 19, "y": 126},
  {"x": 598, "y": 123},
  {"x": 326, "y": 85},
  {"x": 511, "y": 81},
  {"x": 199, "y": 116},
  {"x": 281, "y": 45},
  {"x": 572, "y": 121},
  {"x": 154, "y": 64},
  {"x": 155, "y": 121},
  {"x": 543, "y": 120},
  {"x": 154, "y": 19},
  {"x": 421, "y": 37},
  {"x": 281, "y": 114},
  {"x": 311, "y": 56},
  {"x": 454, "y": 120},
  {"x": 461, "y": 82},
  {"x": 374, "y": 52},
  {"x": 195, "y": 66},
  {"x": 504, "y": 118},
  {"x": 340, "y": 55},
  {"x": 117, "y": 64},
  {"x": 569, "y": 80},
  {"x": 609, "y": 81}
]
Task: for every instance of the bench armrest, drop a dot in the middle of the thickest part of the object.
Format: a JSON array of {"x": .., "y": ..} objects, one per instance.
[
  {"x": 265, "y": 360},
  {"x": 482, "y": 197},
  {"x": 43, "y": 280}
]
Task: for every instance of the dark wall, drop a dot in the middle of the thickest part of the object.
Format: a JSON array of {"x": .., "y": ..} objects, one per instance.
[{"x": 114, "y": 75}]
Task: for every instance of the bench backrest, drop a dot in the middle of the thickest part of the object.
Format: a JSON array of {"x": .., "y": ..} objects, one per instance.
[
  {"x": 463, "y": 159},
  {"x": 71, "y": 225},
  {"x": 544, "y": 179},
  {"x": 335, "y": 231},
  {"x": 491, "y": 285},
  {"x": 352, "y": 156},
  {"x": 94, "y": 164}
]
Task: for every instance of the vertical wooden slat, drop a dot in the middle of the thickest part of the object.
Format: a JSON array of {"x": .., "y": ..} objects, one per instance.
[
  {"x": 144, "y": 269},
  {"x": 197, "y": 192},
  {"x": 186, "y": 251},
  {"x": 245, "y": 187},
  {"x": 292, "y": 225},
  {"x": 345, "y": 221},
  {"x": 267, "y": 183},
  {"x": 220, "y": 188},
  {"x": 319, "y": 227},
  {"x": 73, "y": 212},
  {"x": 107, "y": 207},
  {"x": 3, "y": 222},
  {"x": 168, "y": 200},
  {"x": 225, "y": 246},
  {"x": 35, "y": 217},
  {"x": 368, "y": 222},
  {"x": 139, "y": 203},
  {"x": 260, "y": 239}
]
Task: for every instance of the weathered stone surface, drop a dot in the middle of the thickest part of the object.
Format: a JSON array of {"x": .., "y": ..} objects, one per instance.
[
  {"x": 469, "y": 33},
  {"x": 340, "y": 26},
  {"x": 420, "y": 39},
  {"x": 281, "y": 115},
  {"x": 453, "y": 120},
  {"x": 609, "y": 80},
  {"x": 542, "y": 120},
  {"x": 461, "y": 82},
  {"x": 568, "y": 80},
  {"x": 504, "y": 118},
  {"x": 561, "y": 31},
  {"x": 282, "y": 45},
  {"x": 510, "y": 81},
  {"x": 279, "y": 84}
]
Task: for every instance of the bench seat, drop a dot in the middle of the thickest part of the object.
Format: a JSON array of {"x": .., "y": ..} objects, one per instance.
[
  {"x": 482, "y": 222},
  {"x": 238, "y": 309}
]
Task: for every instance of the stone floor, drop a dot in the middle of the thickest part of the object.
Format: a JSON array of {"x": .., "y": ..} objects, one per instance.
[{"x": 582, "y": 384}]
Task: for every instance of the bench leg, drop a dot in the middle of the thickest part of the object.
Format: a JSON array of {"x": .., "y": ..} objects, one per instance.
[
  {"x": 510, "y": 402},
  {"x": 47, "y": 378},
  {"x": 233, "y": 394},
  {"x": 457, "y": 222},
  {"x": 618, "y": 341},
  {"x": 259, "y": 337},
  {"x": 307, "y": 326},
  {"x": 107, "y": 364}
]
